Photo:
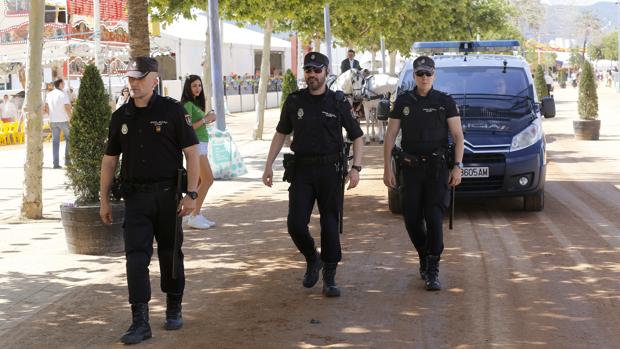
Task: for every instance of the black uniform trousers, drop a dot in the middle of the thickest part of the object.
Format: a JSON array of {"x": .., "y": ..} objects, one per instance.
[
  {"x": 424, "y": 191},
  {"x": 151, "y": 214},
  {"x": 321, "y": 183}
]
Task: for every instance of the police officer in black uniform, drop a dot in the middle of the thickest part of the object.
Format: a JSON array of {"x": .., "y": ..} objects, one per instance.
[
  {"x": 316, "y": 115},
  {"x": 425, "y": 116},
  {"x": 152, "y": 133}
]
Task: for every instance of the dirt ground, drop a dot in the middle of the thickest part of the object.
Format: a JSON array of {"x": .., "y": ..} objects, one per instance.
[{"x": 512, "y": 279}]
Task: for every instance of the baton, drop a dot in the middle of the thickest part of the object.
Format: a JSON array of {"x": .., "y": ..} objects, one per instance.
[
  {"x": 452, "y": 195},
  {"x": 344, "y": 167},
  {"x": 177, "y": 220}
]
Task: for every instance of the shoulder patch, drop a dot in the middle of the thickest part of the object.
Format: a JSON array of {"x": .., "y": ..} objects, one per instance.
[{"x": 188, "y": 120}]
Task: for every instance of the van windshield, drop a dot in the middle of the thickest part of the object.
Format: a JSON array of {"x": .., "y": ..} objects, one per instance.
[{"x": 482, "y": 87}]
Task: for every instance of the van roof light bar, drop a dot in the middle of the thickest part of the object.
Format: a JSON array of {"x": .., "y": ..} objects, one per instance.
[{"x": 466, "y": 46}]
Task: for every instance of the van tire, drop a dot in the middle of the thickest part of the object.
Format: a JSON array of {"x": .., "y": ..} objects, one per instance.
[
  {"x": 534, "y": 202},
  {"x": 394, "y": 201}
]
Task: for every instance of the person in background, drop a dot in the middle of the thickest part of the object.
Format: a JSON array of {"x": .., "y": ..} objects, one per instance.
[
  {"x": 9, "y": 110},
  {"x": 58, "y": 107},
  {"x": 123, "y": 98},
  {"x": 193, "y": 100}
]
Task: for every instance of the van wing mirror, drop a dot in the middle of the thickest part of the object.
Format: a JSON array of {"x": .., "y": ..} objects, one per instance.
[
  {"x": 383, "y": 109},
  {"x": 547, "y": 107}
]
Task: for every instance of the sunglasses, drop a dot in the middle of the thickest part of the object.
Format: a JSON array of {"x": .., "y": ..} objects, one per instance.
[
  {"x": 424, "y": 73},
  {"x": 315, "y": 70}
]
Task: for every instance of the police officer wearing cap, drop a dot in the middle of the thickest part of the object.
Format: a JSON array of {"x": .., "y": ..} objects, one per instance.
[
  {"x": 153, "y": 133},
  {"x": 426, "y": 117},
  {"x": 316, "y": 115}
]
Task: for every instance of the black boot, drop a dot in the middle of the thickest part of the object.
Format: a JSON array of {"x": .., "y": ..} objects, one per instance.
[
  {"x": 140, "y": 328},
  {"x": 174, "y": 319},
  {"x": 432, "y": 273},
  {"x": 314, "y": 264},
  {"x": 423, "y": 265},
  {"x": 329, "y": 280}
]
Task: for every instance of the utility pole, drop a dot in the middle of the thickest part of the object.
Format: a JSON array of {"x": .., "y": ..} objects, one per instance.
[
  {"x": 383, "y": 54},
  {"x": 97, "y": 33},
  {"x": 328, "y": 35},
  {"x": 216, "y": 64}
]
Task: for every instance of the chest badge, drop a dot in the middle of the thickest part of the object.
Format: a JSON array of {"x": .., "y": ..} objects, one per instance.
[
  {"x": 157, "y": 129},
  {"x": 124, "y": 129},
  {"x": 300, "y": 114},
  {"x": 188, "y": 120},
  {"x": 406, "y": 111}
]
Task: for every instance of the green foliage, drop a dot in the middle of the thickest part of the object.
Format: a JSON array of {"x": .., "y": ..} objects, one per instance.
[
  {"x": 289, "y": 84},
  {"x": 562, "y": 77},
  {"x": 587, "y": 105},
  {"x": 89, "y": 124},
  {"x": 539, "y": 82},
  {"x": 576, "y": 59},
  {"x": 606, "y": 47}
]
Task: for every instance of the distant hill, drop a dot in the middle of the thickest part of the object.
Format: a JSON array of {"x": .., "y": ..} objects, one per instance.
[{"x": 559, "y": 19}]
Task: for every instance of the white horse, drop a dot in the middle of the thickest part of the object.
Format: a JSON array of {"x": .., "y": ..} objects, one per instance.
[
  {"x": 375, "y": 88},
  {"x": 349, "y": 82}
]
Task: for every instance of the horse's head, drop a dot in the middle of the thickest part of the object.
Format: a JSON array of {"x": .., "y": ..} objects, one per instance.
[{"x": 357, "y": 82}]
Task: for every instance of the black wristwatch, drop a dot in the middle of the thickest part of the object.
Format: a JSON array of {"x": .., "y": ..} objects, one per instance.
[
  {"x": 357, "y": 168},
  {"x": 192, "y": 194},
  {"x": 459, "y": 165}
]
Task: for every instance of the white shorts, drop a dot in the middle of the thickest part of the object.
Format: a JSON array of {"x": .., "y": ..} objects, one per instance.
[{"x": 203, "y": 148}]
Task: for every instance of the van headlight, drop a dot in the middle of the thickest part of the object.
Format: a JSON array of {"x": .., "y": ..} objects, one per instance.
[{"x": 530, "y": 135}]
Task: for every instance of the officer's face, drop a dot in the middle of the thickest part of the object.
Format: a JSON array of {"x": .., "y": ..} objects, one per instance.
[
  {"x": 424, "y": 82},
  {"x": 196, "y": 87},
  {"x": 315, "y": 80},
  {"x": 140, "y": 88}
]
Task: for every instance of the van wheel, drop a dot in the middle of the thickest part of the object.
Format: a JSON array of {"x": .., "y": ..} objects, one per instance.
[
  {"x": 534, "y": 202},
  {"x": 394, "y": 201}
]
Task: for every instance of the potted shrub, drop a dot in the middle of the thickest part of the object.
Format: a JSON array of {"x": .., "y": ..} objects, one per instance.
[
  {"x": 85, "y": 232},
  {"x": 562, "y": 77},
  {"x": 588, "y": 126},
  {"x": 539, "y": 82}
]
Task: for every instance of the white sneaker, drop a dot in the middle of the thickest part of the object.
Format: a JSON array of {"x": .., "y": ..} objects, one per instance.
[
  {"x": 210, "y": 222},
  {"x": 197, "y": 223}
]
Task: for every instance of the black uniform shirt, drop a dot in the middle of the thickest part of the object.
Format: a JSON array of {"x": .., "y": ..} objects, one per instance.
[
  {"x": 317, "y": 122},
  {"x": 424, "y": 128},
  {"x": 151, "y": 139}
]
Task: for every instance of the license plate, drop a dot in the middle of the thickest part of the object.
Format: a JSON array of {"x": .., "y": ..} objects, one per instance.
[{"x": 475, "y": 172}]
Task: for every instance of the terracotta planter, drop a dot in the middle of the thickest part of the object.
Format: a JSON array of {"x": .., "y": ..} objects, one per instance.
[
  {"x": 86, "y": 233},
  {"x": 587, "y": 130}
]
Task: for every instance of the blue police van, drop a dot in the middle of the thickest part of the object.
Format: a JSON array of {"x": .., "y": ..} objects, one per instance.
[{"x": 500, "y": 114}]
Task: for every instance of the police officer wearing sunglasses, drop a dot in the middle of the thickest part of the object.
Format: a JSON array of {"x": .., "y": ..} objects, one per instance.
[
  {"x": 317, "y": 116},
  {"x": 426, "y": 117}
]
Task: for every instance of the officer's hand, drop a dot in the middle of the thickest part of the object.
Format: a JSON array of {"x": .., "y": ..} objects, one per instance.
[
  {"x": 354, "y": 178},
  {"x": 186, "y": 206},
  {"x": 105, "y": 212},
  {"x": 268, "y": 177},
  {"x": 389, "y": 179},
  {"x": 455, "y": 177}
]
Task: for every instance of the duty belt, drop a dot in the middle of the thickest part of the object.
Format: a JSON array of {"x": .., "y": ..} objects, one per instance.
[
  {"x": 317, "y": 160},
  {"x": 150, "y": 186},
  {"x": 421, "y": 160}
]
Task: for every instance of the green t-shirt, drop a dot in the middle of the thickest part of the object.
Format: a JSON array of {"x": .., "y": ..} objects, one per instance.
[{"x": 196, "y": 114}]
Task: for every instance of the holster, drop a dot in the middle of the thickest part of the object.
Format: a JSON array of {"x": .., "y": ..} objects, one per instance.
[{"x": 288, "y": 162}]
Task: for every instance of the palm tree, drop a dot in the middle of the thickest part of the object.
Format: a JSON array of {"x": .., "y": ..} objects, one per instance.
[
  {"x": 587, "y": 23},
  {"x": 32, "y": 201},
  {"x": 138, "y": 21}
]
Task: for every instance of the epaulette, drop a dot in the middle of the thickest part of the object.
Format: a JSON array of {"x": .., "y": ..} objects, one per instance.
[
  {"x": 170, "y": 99},
  {"x": 294, "y": 93},
  {"x": 340, "y": 96}
]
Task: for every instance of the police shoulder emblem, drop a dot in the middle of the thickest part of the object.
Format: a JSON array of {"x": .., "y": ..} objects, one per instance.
[
  {"x": 124, "y": 129},
  {"x": 300, "y": 113},
  {"x": 188, "y": 120},
  {"x": 406, "y": 110},
  {"x": 312, "y": 56}
]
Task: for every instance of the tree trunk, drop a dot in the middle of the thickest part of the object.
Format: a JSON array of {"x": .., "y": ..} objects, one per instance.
[
  {"x": 32, "y": 200},
  {"x": 373, "y": 63},
  {"x": 206, "y": 73},
  {"x": 317, "y": 44},
  {"x": 138, "y": 22},
  {"x": 393, "y": 62},
  {"x": 263, "y": 83},
  {"x": 21, "y": 74}
]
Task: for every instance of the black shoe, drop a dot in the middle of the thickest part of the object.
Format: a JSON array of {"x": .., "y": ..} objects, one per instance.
[
  {"x": 432, "y": 274},
  {"x": 174, "y": 319},
  {"x": 329, "y": 280},
  {"x": 311, "y": 277},
  {"x": 140, "y": 329},
  {"x": 423, "y": 266}
]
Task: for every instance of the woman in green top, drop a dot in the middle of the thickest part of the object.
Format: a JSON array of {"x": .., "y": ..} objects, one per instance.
[{"x": 193, "y": 99}]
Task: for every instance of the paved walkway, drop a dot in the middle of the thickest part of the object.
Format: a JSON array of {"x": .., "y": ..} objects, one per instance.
[{"x": 36, "y": 268}]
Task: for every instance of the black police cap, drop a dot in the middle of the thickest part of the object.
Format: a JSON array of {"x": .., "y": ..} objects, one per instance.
[
  {"x": 424, "y": 63},
  {"x": 140, "y": 66},
  {"x": 315, "y": 60}
]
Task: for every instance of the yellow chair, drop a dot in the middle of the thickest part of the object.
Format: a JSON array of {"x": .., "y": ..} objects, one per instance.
[
  {"x": 11, "y": 130},
  {"x": 4, "y": 134},
  {"x": 21, "y": 131},
  {"x": 47, "y": 132}
]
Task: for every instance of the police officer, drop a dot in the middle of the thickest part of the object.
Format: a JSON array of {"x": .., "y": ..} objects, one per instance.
[
  {"x": 152, "y": 133},
  {"x": 316, "y": 116},
  {"x": 425, "y": 116}
]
